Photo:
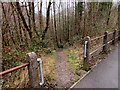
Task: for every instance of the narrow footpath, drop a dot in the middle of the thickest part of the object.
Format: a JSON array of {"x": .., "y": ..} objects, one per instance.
[
  {"x": 64, "y": 75},
  {"x": 105, "y": 75}
]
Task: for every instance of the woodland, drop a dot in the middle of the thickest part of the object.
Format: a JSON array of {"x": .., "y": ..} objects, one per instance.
[{"x": 46, "y": 27}]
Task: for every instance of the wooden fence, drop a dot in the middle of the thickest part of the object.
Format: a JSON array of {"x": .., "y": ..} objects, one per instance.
[
  {"x": 33, "y": 70},
  {"x": 115, "y": 36},
  {"x": 33, "y": 65}
]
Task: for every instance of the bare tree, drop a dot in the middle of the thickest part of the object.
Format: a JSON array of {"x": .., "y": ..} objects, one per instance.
[
  {"x": 47, "y": 21},
  {"x": 23, "y": 19},
  {"x": 40, "y": 16},
  {"x": 33, "y": 19},
  {"x": 55, "y": 27}
]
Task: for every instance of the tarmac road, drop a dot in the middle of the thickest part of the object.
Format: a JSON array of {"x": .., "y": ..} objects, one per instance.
[{"x": 105, "y": 75}]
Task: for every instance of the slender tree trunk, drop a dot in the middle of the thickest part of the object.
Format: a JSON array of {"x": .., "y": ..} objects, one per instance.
[
  {"x": 65, "y": 15},
  {"x": 76, "y": 18},
  {"x": 80, "y": 10},
  {"x": 4, "y": 25},
  {"x": 40, "y": 17},
  {"x": 7, "y": 23},
  {"x": 68, "y": 36},
  {"x": 29, "y": 15},
  {"x": 33, "y": 19},
  {"x": 47, "y": 21},
  {"x": 59, "y": 16},
  {"x": 63, "y": 23},
  {"x": 15, "y": 24},
  {"x": 109, "y": 12},
  {"x": 23, "y": 19},
  {"x": 22, "y": 31},
  {"x": 56, "y": 38}
]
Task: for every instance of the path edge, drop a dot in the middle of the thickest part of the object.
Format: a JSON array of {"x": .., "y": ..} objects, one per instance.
[{"x": 86, "y": 74}]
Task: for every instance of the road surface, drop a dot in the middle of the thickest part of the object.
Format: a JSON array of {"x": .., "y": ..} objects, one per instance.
[{"x": 105, "y": 75}]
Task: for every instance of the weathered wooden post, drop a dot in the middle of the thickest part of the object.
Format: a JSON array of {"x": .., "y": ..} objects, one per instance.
[
  {"x": 33, "y": 70},
  {"x": 114, "y": 35},
  {"x": 105, "y": 39},
  {"x": 86, "y": 53}
]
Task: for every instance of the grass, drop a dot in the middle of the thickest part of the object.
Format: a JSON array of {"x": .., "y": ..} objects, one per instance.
[
  {"x": 14, "y": 57},
  {"x": 48, "y": 68},
  {"x": 74, "y": 57},
  {"x": 16, "y": 79}
]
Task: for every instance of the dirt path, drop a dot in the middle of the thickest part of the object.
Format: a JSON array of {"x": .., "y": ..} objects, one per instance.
[{"x": 64, "y": 75}]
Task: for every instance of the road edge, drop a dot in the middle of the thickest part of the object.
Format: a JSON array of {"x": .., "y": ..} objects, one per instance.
[
  {"x": 87, "y": 72},
  {"x": 85, "y": 75}
]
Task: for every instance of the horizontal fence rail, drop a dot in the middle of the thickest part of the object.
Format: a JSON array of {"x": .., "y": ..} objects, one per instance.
[
  {"x": 97, "y": 38},
  {"x": 102, "y": 36},
  {"x": 13, "y": 69},
  {"x": 34, "y": 70},
  {"x": 35, "y": 65},
  {"x": 96, "y": 49},
  {"x": 115, "y": 35},
  {"x": 110, "y": 33}
]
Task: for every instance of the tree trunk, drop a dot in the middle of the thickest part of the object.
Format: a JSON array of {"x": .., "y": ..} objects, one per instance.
[
  {"x": 33, "y": 19},
  {"x": 29, "y": 15},
  {"x": 80, "y": 10},
  {"x": 23, "y": 19},
  {"x": 109, "y": 12},
  {"x": 40, "y": 16},
  {"x": 68, "y": 31},
  {"x": 47, "y": 21},
  {"x": 15, "y": 24},
  {"x": 56, "y": 38}
]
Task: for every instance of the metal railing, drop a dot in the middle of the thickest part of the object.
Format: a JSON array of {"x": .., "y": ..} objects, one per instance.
[
  {"x": 14, "y": 69},
  {"x": 41, "y": 73},
  {"x": 32, "y": 69},
  {"x": 33, "y": 61},
  {"x": 115, "y": 35}
]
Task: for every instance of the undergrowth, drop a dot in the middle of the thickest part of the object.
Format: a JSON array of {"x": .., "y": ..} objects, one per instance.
[
  {"x": 15, "y": 57},
  {"x": 75, "y": 57}
]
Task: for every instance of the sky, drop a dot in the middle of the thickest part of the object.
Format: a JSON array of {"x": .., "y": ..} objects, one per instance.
[{"x": 57, "y": 3}]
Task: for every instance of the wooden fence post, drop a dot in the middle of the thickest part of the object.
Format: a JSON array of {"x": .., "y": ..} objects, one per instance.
[
  {"x": 105, "y": 39},
  {"x": 86, "y": 53},
  {"x": 33, "y": 68},
  {"x": 114, "y": 35}
]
